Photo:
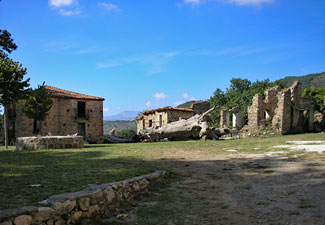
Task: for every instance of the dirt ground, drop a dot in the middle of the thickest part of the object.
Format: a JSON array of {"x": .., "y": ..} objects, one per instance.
[{"x": 237, "y": 188}]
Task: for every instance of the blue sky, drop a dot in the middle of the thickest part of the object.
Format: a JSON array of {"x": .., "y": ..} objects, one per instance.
[{"x": 151, "y": 53}]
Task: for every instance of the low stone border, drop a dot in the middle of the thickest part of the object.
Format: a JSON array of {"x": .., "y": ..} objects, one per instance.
[
  {"x": 46, "y": 142},
  {"x": 70, "y": 208}
]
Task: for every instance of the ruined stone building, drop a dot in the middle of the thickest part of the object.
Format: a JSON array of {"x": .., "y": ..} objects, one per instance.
[
  {"x": 162, "y": 116},
  {"x": 231, "y": 118},
  {"x": 285, "y": 111},
  {"x": 71, "y": 113}
]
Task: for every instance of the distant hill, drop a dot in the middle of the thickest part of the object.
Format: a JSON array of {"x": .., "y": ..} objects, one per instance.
[
  {"x": 119, "y": 125},
  {"x": 315, "y": 80},
  {"x": 186, "y": 104},
  {"x": 125, "y": 115}
]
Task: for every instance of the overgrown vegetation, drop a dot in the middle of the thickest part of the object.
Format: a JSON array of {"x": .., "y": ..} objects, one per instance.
[
  {"x": 239, "y": 94},
  {"x": 319, "y": 95},
  {"x": 186, "y": 104},
  {"x": 129, "y": 133}
]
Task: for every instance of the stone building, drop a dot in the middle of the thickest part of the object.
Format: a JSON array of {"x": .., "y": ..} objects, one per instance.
[
  {"x": 162, "y": 116},
  {"x": 168, "y": 114},
  {"x": 200, "y": 107},
  {"x": 71, "y": 113},
  {"x": 285, "y": 111}
]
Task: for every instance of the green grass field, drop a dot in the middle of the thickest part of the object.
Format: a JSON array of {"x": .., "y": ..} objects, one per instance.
[{"x": 27, "y": 177}]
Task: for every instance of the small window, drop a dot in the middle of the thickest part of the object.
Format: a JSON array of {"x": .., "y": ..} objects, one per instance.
[
  {"x": 150, "y": 123},
  {"x": 160, "y": 120},
  {"x": 81, "y": 109},
  {"x": 143, "y": 123},
  {"x": 37, "y": 126}
]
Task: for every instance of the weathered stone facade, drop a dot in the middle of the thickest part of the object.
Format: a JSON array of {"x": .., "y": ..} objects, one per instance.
[
  {"x": 80, "y": 207},
  {"x": 162, "y": 116},
  {"x": 200, "y": 107},
  {"x": 71, "y": 113},
  {"x": 231, "y": 118},
  {"x": 284, "y": 111}
]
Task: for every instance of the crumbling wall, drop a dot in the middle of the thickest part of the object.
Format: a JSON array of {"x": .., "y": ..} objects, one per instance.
[
  {"x": 200, "y": 107},
  {"x": 284, "y": 111},
  {"x": 231, "y": 118}
]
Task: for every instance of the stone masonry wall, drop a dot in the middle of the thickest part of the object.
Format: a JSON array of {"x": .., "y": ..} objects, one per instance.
[
  {"x": 72, "y": 208},
  {"x": 63, "y": 120},
  {"x": 49, "y": 142}
]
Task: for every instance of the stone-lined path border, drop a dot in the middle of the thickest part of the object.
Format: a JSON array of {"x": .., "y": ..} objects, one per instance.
[{"x": 70, "y": 208}]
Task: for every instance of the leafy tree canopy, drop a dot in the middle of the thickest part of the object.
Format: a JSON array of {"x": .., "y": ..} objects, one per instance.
[
  {"x": 6, "y": 43},
  {"x": 319, "y": 96},
  {"x": 239, "y": 94},
  {"x": 38, "y": 104}
]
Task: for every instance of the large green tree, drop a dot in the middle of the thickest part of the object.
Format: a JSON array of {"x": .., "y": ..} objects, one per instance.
[
  {"x": 12, "y": 83},
  {"x": 319, "y": 95},
  {"x": 38, "y": 104},
  {"x": 239, "y": 94}
]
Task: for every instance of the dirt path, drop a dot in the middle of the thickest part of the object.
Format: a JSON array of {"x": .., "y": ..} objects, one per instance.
[{"x": 236, "y": 188}]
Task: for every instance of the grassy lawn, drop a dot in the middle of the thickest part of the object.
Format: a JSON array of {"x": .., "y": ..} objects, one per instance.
[{"x": 27, "y": 177}]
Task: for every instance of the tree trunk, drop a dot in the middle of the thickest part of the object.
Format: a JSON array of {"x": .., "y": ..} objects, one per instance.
[
  {"x": 195, "y": 127},
  {"x": 5, "y": 126}
]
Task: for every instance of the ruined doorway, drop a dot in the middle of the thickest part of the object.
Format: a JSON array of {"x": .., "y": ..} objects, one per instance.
[{"x": 82, "y": 130}]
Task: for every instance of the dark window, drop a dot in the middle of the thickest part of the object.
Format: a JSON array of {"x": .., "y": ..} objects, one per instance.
[
  {"x": 81, "y": 109},
  {"x": 160, "y": 120},
  {"x": 150, "y": 123},
  {"x": 143, "y": 123},
  {"x": 37, "y": 126}
]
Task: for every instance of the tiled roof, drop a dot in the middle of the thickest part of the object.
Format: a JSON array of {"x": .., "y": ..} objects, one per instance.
[
  {"x": 60, "y": 93},
  {"x": 167, "y": 108}
]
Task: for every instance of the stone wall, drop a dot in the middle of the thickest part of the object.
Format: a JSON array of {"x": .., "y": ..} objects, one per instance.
[
  {"x": 200, "y": 107},
  {"x": 176, "y": 115},
  {"x": 63, "y": 120},
  {"x": 72, "y": 208},
  {"x": 284, "y": 111},
  {"x": 49, "y": 142}
]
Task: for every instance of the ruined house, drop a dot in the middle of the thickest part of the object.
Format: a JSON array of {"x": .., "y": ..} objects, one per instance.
[
  {"x": 162, "y": 116},
  {"x": 71, "y": 113},
  {"x": 231, "y": 118},
  {"x": 285, "y": 111}
]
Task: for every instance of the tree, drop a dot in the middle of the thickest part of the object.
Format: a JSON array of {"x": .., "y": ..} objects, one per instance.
[
  {"x": 319, "y": 95},
  {"x": 239, "y": 94},
  {"x": 12, "y": 83},
  {"x": 38, "y": 104}
]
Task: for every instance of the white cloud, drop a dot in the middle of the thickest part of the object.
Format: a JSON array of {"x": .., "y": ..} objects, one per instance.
[
  {"x": 160, "y": 96},
  {"x": 69, "y": 12},
  {"x": 148, "y": 104},
  {"x": 60, "y": 3},
  {"x": 106, "y": 110},
  {"x": 177, "y": 103},
  {"x": 238, "y": 2},
  {"x": 153, "y": 62},
  {"x": 108, "y": 64},
  {"x": 108, "y": 6},
  {"x": 250, "y": 2},
  {"x": 185, "y": 95},
  {"x": 193, "y": 2}
]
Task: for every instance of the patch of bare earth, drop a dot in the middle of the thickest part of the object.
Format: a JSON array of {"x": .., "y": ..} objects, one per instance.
[{"x": 236, "y": 188}]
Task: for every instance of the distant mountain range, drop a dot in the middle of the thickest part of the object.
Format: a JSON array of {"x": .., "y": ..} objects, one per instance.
[{"x": 125, "y": 115}]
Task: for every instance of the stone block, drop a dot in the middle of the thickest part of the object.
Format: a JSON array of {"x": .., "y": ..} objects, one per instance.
[{"x": 23, "y": 220}]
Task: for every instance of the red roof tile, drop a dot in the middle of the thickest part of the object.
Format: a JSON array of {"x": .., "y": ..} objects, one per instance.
[{"x": 60, "y": 93}]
